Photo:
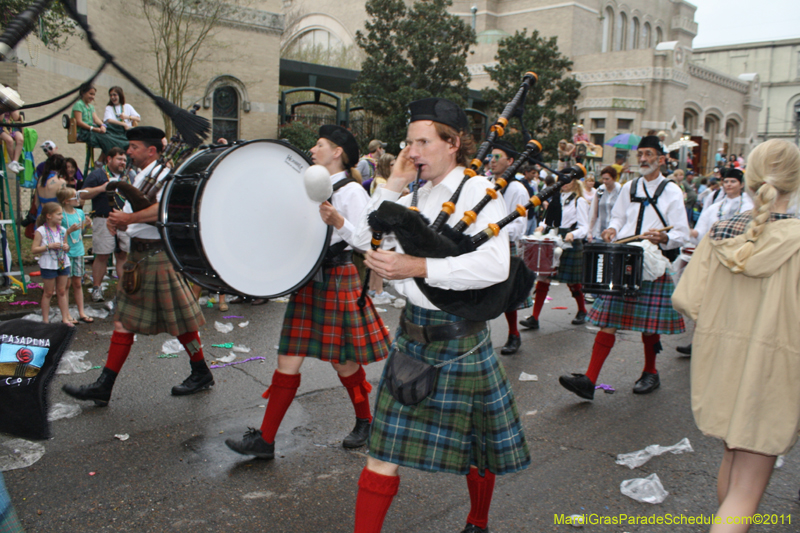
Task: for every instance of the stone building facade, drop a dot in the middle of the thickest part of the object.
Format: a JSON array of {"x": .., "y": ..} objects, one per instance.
[
  {"x": 777, "y": 64},
  {"x": 235, "y": 79}
]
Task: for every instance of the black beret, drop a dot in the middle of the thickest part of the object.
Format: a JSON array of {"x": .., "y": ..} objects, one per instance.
[
  {"x": 651, "y": 141},
  {"x": 733, "y": 173},
  {"x": 507, "y": 148},
  {"x": 439, "y": 110},
  {"x": 341, "y": 137},
  {"x": 145, "y": 133}
]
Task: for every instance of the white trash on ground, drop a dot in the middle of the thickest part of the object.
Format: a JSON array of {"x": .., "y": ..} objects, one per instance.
[
  {"x": 227, "y": 358},
  {"x": 399, "y": 303},
  {"x": 645, "y": 490},
  {"x": 19, "y": 453},
  {"x": 73, "y": 363},
  {"x": 634, "y": 459},
  {"x": 244, "y": 324},
  {"x": 172, "y": 346},
  {"x": 63, "y": 410},
  {"x": 202, "y": 301},
  {"x": 524, "y": 376},
  {"x": 96, "y": 313},
  {"x": 223, "y": 328},
  {"x": 122, "y": 436},
  {"x": 241, "y": 348}
]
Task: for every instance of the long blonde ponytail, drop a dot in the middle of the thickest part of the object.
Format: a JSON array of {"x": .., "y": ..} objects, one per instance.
[{"x": 773, "y": 172}]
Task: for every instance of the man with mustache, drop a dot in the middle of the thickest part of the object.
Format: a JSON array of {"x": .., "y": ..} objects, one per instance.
[{"x": 645, "y": 205}]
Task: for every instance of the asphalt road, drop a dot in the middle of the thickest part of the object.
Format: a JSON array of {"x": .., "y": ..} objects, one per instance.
[{"x": 174, "y": 472}]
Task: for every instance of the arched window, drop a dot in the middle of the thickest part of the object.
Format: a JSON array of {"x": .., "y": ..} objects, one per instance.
[
  {"x": 635, "y": 34},
  {"x": 608, "y": 29},
  {"x": 620, "y": 32},
  {"x": 659, "y": 36},
  {"x": 225, "y": 114},
  {"x": 315, "y": 46},
  {"x": 646, "y": 35}
]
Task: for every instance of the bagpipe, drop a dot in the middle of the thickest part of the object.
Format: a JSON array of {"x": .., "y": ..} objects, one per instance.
[{"x": 438, "y": 240}]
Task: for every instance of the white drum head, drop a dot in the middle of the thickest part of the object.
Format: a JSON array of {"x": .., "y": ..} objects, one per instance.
[{"x": 259, "y": 230}]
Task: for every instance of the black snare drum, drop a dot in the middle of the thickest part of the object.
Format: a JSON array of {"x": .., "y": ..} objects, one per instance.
[{"x": 612, "y": 269}]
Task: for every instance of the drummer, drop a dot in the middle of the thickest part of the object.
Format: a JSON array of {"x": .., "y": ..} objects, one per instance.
[
  {"x": 323, "y": 320},
  {"x": 573, "y": 226},
  {"x": 650, "y": 313},
  {"x": 515, "y": 193}
]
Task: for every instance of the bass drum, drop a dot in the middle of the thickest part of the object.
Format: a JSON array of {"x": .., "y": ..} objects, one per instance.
[{"x": 237, "y": 219}]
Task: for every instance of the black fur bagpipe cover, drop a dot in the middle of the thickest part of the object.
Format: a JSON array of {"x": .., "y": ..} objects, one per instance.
[
  {"x": 414, "y": 234},
  {"x": 29, "y": 355}
]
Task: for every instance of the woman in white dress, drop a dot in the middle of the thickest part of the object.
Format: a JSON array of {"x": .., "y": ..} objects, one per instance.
[{"x": 118, "y": 113}]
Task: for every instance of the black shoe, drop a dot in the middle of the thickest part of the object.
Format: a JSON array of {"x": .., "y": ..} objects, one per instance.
[
  {"x": 579, "y": 319},
  {"x": 512, "y": 345},
  {"x": 252, "y": 444},
  {"x": 472, "y": 528},
  {"x": 578, "y": 384},
  {"x": 685, "y": 350},
  {"x": 259, "y": 301},
  {"x": 237, "y": 300},
  {"x": 647, "y": 383},
  {"x": 530, "y": 322},
  {"x": 99, "y": 391},
  {"x": 358, "y": 437},
  {"x": 201, "y": 378}
]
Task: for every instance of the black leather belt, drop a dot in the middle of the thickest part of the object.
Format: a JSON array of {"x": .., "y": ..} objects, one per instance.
[
  {"x": 339, "y": 259},
  {"x": 95, "y": 215},
  {"x": 442, "y": 332},
  {"x": 146, "y": 245}
]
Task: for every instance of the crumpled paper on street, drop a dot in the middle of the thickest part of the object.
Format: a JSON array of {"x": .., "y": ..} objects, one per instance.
[
  {"x": 96, "y": 313},
  {"x": 241, "y": 348},
  {"x": 172, "y": 346},
  {"x": 223, "y": 328},
  {"x": 636, "y": 459},
  {"x": 645, "y": 490},
  {"x": 63, "y": 410},
  {"x": 73, "y": 363},
  {"x": 398, "y": 303},
  {"x": 524, "y": 376},
  {"x": 19, "y": 453}
]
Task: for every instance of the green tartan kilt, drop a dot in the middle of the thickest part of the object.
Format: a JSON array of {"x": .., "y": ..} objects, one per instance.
[
  {"x": 114, "y": 136},
  {"x": 570, "y": 268},
  {"x": 163, "y": 304},
  {"x": 470, "y": 418},
  {"x": 517, "y": 252}
]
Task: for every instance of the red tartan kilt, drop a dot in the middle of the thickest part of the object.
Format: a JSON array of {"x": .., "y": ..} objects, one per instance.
[{"x": 323, "y": 321}]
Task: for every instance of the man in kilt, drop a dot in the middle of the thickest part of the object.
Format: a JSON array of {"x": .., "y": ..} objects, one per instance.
[
  {"x": 515, "y": 193},
  {"x": 323, "y": 320},
  {"x": 469, "y": 424},
  {"x": 650, "y": 312},
  {"x": 571, "y": 216},
  {"x": 164, "y": 302}
]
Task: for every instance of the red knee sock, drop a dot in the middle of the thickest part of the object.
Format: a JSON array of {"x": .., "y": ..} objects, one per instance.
[
  {"x": 577, "y": 292},
  {"x": 191, "y": 342},
  {"x": 375, "y": 495},
  {"x": 118, "y": 351},
  {"x": 481, "y": 489},
  {"x": 603, "y": 343},
  {"x": 511, "y": 318},
  {"x": 652, "y": 345},
  {"x": 280, "y": 394},
  {"x": 358, "y": 388},
  {"x": 540, "y": 295}
]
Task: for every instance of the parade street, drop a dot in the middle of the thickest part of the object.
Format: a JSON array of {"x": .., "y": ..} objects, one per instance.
[{"x": 174, "y": 472}]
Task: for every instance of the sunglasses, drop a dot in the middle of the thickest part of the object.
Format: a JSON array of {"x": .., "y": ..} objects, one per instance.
[{"x": 496, "y": 157}]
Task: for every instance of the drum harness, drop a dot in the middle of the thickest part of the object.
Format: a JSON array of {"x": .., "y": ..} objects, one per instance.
[
  {"x": 671, "y": 255},
  {"x": 335, "y": 255}
]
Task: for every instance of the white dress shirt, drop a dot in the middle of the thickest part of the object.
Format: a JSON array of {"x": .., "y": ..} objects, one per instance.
[
  {"x": 145, "y": 231},
  {"x": 670, "y": 203},
  {"x": 577, "y": 210},
  {"x": 516, "y": 194},
  {"x": 486, "y": 266},
  {"x": 349, "y": 201}
]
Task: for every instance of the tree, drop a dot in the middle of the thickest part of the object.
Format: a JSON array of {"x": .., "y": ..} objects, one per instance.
[
  {"x": 412, "y": 53},
  {"x": 180, "y": 29},
  {"x": 549, "y": 106},
  {"x": 54, "y": 28}
]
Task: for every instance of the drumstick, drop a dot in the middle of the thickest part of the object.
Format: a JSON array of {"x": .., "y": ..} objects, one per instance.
[{"x": 629, "y": 239}]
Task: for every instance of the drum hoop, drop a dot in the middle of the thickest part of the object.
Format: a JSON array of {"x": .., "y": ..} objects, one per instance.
[{"x": 162, "y": 216}]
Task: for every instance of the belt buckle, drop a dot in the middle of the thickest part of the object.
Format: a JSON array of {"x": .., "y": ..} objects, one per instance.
[{"x": 415, "y": 331}]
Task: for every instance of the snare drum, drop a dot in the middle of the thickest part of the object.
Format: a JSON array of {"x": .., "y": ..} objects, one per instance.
[
  {"x": 539, "y": 256},
  {"x": 237, "y": 219},
  {"x": 612, "y": 269}
]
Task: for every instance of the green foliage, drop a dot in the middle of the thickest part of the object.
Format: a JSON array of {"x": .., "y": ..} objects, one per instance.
[
  {"x": 54, "y": 26},
  {"x": 412, "y": 53},
  {"x": 550, "y": 104},
  {"x": 299, "y": 135}
]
